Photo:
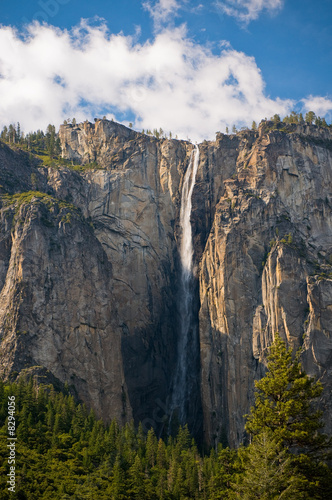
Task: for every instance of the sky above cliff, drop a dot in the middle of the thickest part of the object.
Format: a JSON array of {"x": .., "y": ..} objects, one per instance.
[{"x": 189, "y": 67}]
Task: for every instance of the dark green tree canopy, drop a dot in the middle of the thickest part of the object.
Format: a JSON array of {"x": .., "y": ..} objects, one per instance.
[
  {"x": 287, "y": 456},
  {"x": 284, "y": 401}
]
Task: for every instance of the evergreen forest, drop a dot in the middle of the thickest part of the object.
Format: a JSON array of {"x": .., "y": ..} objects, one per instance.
[{"x": 64, "y": 452}]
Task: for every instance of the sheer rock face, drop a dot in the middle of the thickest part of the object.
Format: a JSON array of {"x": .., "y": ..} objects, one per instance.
[
  {"x": 133, "y": 204},
  {"x": 266, "y": 268},
  {"x": 56, "y": 306},
  {"x": 91, "y": 293}
]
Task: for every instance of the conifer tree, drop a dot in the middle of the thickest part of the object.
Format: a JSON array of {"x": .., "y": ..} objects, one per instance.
[
  {"x": 118, "y": 487},
  {"x": 276, "y": 119},
  {"x": 310, "y": 117},
  {"x": 161, "y": 454},
  {"x": 18, "y": 131},
  {"x": 4, "y": 133},
  {"x": 12, "y": 134},
  {"x": 136, "y": 481},
  {"x": 268, "y": 471},
  {"x": 324, "y": 124},
  {"x": 284, "y": 401},
  {"x": 284, "y": 415},
  {"x": 151, "y": 448},
  {"x": 50, "y": 140}
]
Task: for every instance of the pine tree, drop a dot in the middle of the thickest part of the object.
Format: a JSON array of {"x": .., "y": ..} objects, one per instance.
[
  {"x": 268, "y": 471},
  {"x": 283, "y": 401},
  {"x": 18, "y": 131},
  {"x": 12, "y": 134},
  {"x": 310, "y": 117},
  {"x": 151, "y": 448},
  {"x": 294, "y": 117},
  {"x": 223, "y": 467},
  {"x": 136, "y": 480},
  {"x": 4, "y": 134},
  {"x": 179, "y": 489},
  {"x": 161, "y": 454},
  {"x": 324, "y": 124},
  {"x": 318, "y": 121},
  {"x": 284, "y": 413},
  {"x": 183, "y": 439},
  {"x": 118, "y": 486},
  {"x": 50, "y": 140}
]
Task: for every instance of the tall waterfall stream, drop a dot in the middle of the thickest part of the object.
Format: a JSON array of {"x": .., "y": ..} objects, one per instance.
[{"x": 185, "y": 378}]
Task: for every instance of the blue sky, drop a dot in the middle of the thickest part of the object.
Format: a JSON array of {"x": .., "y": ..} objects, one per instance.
[{"x": 189, "y": 67}]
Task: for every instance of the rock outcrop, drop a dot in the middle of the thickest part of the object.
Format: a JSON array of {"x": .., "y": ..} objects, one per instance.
[
  {"x": 89, "y": 271},
  {"x": 266, "y": 258},
  {"x": 56, "y": 307}
]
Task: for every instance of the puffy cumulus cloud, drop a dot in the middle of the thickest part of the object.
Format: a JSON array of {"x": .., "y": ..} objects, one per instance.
[
  {"x": 161, "y": 11},
  {"x": 248, "y": 10},
  {"x": 319, "y": 105},
  {"x": 169, "y": 82}
]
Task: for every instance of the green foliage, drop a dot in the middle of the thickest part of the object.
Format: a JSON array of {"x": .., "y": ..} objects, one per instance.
[
  {"x": 289, "y": 122},
  {"x": 292, "y": 118},
  {"x": 285, "y": 420},
  {"x": 26, "y": 198},
  {"x": 276, "y": 119},
  {"x": 63, "y": 451},
  {"x": 53, "y": 206},
  {"x": 87, "y": 166},
  {"x": 287, "y": 240},
  {"x": 283, "y": 400},
  {"x": 310, "y": 117},
  {"x": 50, "y": 140},
  {"x": 268, "y": 472},
  {"x": 39, "y": 142}
]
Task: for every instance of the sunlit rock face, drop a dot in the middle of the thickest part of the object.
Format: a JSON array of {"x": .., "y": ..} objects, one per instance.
[
  {"x": 90, "y": 274},
  {"x": 266, "y": 267}
]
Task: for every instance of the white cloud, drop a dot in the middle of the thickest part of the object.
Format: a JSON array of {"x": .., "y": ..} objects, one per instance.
[
  {"x": 319, "y": 105},
  {"x": 248, "y": 10},
  {"x": 162, "y": 11},
  {"x": 169, "y": 82}
]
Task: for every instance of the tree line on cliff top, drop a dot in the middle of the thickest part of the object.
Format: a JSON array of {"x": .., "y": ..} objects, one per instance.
[
  {"x": 63, "y": 451},
  {"x": 49, "y": 141}
]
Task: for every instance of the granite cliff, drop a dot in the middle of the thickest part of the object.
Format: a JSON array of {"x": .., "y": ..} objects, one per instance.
[{"x": 89, "y": 267}]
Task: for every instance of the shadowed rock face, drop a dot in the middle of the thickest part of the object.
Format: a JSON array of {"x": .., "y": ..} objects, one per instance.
[{"x": 89, "y": 274}]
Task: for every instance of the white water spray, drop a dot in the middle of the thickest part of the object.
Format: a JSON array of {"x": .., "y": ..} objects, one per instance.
[
  {"x": 182, "y": 384},
  {"x": 186, "y": 249}
]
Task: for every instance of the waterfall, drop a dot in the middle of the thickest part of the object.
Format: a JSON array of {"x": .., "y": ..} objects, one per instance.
[{"x": 185, "y": 379}]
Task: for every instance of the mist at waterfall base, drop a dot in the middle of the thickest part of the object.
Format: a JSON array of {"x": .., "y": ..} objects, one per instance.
[{"x": 185, "y": 397}]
